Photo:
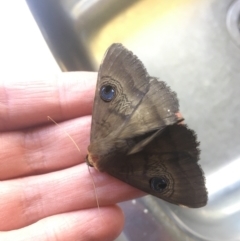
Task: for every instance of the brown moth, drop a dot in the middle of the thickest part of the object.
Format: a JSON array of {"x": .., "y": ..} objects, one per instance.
[{"x": 136, "y": 136}]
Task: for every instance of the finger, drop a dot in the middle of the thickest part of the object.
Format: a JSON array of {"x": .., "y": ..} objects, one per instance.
[
  {"x": 28, "y": 103},
  {"x": 81, "y": 225},
  {"x": 45, "y": 149},
  {"x": 29, "y": 199}
]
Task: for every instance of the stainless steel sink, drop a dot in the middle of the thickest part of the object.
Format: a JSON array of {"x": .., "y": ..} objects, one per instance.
[{"x": 194, "y": 45}]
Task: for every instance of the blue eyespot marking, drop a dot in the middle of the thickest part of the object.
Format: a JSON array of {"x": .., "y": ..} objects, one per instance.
[
  {"x": 158, "y": 184},
  {"x": 107, "y": 92}
]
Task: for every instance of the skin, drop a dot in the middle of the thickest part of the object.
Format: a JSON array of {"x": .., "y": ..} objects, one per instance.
[{"x": 46, "y": 190}]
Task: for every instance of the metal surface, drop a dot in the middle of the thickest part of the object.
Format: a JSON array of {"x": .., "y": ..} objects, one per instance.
[{"x": 194, "y": 46}]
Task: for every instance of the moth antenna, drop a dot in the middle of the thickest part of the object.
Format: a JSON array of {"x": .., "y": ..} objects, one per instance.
[
  {"x": 49, "y": 118},
  {"x": 92, "y": 179},
  {"x": 95, "y": 193}
]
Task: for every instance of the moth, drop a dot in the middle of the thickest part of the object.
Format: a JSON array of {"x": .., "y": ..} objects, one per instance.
[{"x": 136, "y": 134}]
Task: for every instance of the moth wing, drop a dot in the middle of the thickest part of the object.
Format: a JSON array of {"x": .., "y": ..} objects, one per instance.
[
  {"x": 158, "y": 109},
  {"x": 123, "y": 70},
  {"x": 171, "y": 158},
  {"x": 142, "y": 104}
]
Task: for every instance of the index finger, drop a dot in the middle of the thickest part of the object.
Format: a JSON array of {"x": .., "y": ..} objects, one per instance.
[{"x": 63, "y": 96}]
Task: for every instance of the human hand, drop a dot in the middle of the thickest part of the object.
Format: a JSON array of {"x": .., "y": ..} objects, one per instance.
[{"x": 46, "y": 192}]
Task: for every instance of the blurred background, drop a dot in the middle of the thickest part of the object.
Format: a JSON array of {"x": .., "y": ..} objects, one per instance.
[{"x": 193, "y": 45}]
